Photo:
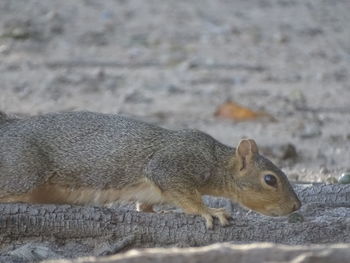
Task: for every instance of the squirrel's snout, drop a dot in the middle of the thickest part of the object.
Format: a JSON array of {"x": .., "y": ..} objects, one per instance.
[
  {"x": 292, "y": 206},
  {"x": 296, "y": 205}
]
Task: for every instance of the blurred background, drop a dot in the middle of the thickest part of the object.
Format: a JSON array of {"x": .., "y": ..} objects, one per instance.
[{"x": 273, "y": 70}]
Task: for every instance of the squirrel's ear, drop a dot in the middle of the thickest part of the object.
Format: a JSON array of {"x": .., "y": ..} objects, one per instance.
[
  {"x": 253, "y": 146},
  {"x": 245, "y": 150}
]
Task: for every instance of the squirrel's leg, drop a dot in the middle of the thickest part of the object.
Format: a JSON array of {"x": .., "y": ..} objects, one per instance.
[
  {"x": 191, "y": 202},
  {"x": 143, "y": 207}
]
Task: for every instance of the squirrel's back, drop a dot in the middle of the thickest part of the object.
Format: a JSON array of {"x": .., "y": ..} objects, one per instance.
[
  {"x": 86, "y": 150},
  {"x": 87, "y": 145}
]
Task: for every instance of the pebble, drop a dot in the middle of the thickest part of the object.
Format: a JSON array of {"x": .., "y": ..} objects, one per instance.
[
  {"x": 288, "y": 152},
  {"x": 4, "y": 49},
  {"x": 173, "y": 89},
  {"x": 324, "y": 170},
  {"x": 332, "y": 180},
  {"x": 294, "y": 177},
  {"x": 282, "y": 151},
  {"x": 344, "y": 178},
  {"x": 17, "y": 29},
  {"x": 93, "y": 38},
  {"x": 310, "y": 131}
]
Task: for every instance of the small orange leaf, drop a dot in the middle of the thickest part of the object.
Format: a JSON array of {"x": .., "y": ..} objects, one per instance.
[{"x": 234, "y": 111}]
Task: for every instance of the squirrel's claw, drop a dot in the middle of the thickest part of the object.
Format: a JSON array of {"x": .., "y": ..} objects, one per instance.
[
  {"x": 220, "y": 213},
  {"x": 208, "y": 220}
]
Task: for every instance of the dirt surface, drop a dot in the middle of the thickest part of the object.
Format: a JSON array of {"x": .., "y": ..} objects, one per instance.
[
  {"x": 174, "y": 62},
  {"x": 225, "y": 253}
]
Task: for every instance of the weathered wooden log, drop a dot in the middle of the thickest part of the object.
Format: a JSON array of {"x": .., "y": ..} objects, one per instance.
[
  {"x": 324, "y": 222},
  {"x": 330, "y": 194}
]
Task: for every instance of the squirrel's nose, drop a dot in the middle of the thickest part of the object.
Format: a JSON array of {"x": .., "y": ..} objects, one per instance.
[{"x": 296, "y": 205}]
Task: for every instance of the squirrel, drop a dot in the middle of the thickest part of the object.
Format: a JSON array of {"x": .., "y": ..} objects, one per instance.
[{"x": 94, "y": 158}]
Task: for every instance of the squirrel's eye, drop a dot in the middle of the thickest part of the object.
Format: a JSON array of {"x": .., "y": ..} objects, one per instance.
[{"x": 270, "y": 179}]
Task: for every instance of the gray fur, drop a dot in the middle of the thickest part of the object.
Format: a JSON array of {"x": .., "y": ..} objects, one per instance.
[{"x": 85, "y": 149}]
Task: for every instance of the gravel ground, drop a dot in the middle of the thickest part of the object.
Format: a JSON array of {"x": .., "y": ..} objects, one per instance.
[{"x": 174, "y": 62}]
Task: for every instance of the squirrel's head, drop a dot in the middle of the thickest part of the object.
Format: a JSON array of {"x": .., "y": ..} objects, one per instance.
[{"x": 261, "y": 186}]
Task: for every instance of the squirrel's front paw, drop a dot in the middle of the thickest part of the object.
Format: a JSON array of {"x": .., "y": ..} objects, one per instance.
[{"x": 220, "y": 213}]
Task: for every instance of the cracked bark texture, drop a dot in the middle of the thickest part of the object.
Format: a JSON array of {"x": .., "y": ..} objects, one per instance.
[{"x": 325, "y": 218}]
